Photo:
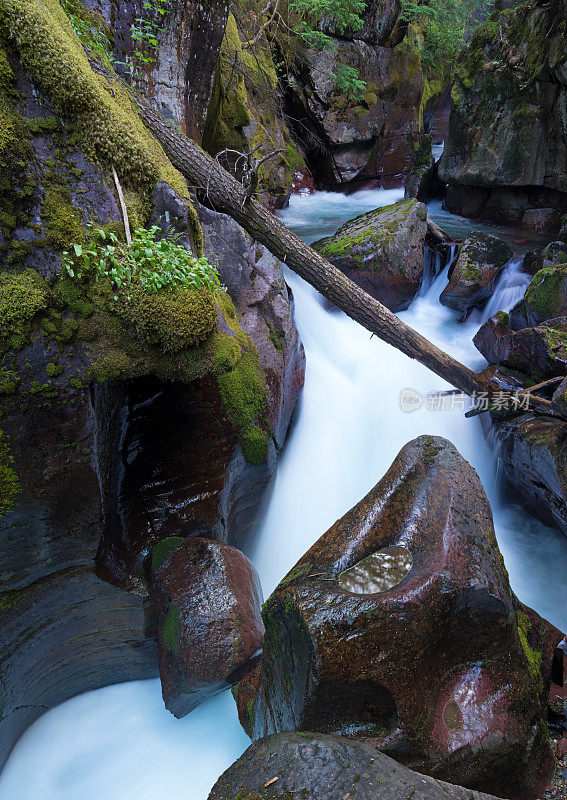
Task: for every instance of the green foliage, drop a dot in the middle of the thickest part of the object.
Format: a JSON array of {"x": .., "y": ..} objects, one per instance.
[
  {"x": 447, "y": 25},
  {"x": 154, "y": 264},
  {"x": 349, "y": 83},
  {"x": 9, "y": 483},
  {"x": 91, "y": 29},
  {"x": 144, "y": 32}
]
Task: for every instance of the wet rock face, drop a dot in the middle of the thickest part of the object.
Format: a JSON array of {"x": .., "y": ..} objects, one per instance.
[
  {"x": 366, "y": 141},
  {"x": 533, "y": 452},
  {"x": 319, "y": 767},
  {"x": 63, "y": 631},
  {"x": 506, "y": 153},
  {"x": 181, "y": 79},
  {"x": 411, "y": 667},
  {"x": 207, "y": 597},
  {"x": 479, "y": 261},
  {"x": 382, "y": 251},
  {"x": 539, "y": 352},
  {"x": 255, "y": 282}
]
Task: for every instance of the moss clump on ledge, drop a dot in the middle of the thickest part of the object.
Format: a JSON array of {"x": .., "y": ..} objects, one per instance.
[
  {"x": 546, "y": 292},
  {"x": 22, "y": 296},
  {"x": 9, "y": 482}
]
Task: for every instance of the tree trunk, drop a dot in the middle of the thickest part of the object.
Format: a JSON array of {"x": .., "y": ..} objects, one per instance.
[{"x": 225, "y": 194}]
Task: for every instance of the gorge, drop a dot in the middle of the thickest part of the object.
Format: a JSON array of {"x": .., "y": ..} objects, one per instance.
[{"x": 173, "y": 444}]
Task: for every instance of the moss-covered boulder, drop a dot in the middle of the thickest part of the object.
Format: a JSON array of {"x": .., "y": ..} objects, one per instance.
[
  {"x": 545, "y": 298},
  {"x": 472, "y": 276},
  {"x": 506, "y": 151},
  {"x": 382, "y": 251},
  {"x": 344, "y": 769},
  {"x": 411, "y": 581},
  {"x": 207, "y": 597},
  {"x": 539, "y": 352},
  {"x": 552, "y": 254}
]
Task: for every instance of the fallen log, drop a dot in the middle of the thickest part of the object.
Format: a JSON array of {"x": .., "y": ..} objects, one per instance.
[{"x": 225, "y": 194}]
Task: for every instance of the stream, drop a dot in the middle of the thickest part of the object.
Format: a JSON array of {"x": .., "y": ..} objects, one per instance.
[{"x": 119, "y": 742}]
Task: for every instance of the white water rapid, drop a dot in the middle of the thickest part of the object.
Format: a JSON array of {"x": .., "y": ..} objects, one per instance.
[{"x": 119, "y": 743}]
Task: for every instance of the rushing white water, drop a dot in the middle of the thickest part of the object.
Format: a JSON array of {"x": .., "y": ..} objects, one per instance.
[{"x": 119, "y": 743}]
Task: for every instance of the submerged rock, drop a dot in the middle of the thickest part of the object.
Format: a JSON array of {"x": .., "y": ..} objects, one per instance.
[
  {"x": 479, "y": 261},
  {"x": 446, "y": 671},
  {"x": 314, "y": 766},
  {"x": 207, "y": 597},
  {"x": 382, "y": 251}
]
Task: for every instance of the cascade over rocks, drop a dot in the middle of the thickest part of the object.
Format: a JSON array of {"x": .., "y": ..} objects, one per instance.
[
  {"x": 471, "y": 277},
  {"x": 207, "y": 597},
  {"x": 383, "y": 251},
  {"x": 506, "y": 152},
  {"x": 315, "y": 766},
  {"x": 411, "y": 667}
]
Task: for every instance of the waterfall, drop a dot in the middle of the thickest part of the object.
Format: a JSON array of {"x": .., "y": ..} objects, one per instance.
[{"x": 119, "y": 742}]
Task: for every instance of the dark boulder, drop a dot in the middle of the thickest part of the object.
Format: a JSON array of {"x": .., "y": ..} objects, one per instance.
[
  {"x": 545, "y": 298},
  {"x": 382, "y": 251},
  {"x": 472, "y": 276},
  {"x": 554, "y": 253},
  {"x": 533, "y": 452},
  {"x": 399, "y": 626},
  {"x": 207, "y": 597},
  {"x": 314, "y": 766},
  {"x": 539, "y": 352}
]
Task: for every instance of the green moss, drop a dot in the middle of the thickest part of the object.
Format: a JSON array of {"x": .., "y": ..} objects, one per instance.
[
  {"x": 277, "y": 338},
  {"x": 22, "y": 296},
  {"x": 9, "y": 482},
  {"x": 9, "y": 381},
  {"x": 173, "y": 320},
  {"x": 162, "y": 550},
  {"x": 107, "y": 124},
  {"x": 254, "y": 442},
  {"x": 73, "y": 297},
  {"x": 546, "y": 292},
  {"x": 62, "y": 220},
  {"x": 53, "y": 370},
  {"x": 228, "y": 353},
  {"x": 171, "y": 629},
  {"x": 423, "y": 157},
  {"x": 533, "y": 657},
  {"x": 243, "y": 393}
]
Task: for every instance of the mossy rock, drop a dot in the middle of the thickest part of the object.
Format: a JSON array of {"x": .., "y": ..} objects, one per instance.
[
  {"x": 23, "y": 295},
  {"x": 546, "y": 296},
  {"x": 9, "y": 482}
]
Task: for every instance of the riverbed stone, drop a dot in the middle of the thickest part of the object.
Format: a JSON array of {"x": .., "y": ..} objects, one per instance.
[
  {"x": 447, "y": 671},
  {"x": 471, "y": 278},
  {"x": 207, "y": 597},
  {"x": 382, "y": 251},
  {"x": 544, "y": 299},
  {"x": 538, "y": 352},
  {"x": 315, "y": 766}
]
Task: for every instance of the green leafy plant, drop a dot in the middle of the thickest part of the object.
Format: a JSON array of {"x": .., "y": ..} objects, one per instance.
[
  {"x": 144, "y": 32},
  {"x": 349, "y": 82},
  {"x": 154, "y": 264}
]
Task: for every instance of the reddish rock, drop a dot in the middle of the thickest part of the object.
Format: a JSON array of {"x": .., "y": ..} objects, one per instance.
[
  {"x": 207, "y": 596},
  {"x": 446, "y": 670}
]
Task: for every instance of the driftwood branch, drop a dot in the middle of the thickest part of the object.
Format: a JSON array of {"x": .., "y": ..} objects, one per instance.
[{"x": 122, "y": 207}]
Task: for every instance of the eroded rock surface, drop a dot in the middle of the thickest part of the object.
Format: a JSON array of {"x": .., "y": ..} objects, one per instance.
[
  {"x": 313, "y": 766},
  {"x": 344, "y": 663},
  {"x": 207, "y": 597}
]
